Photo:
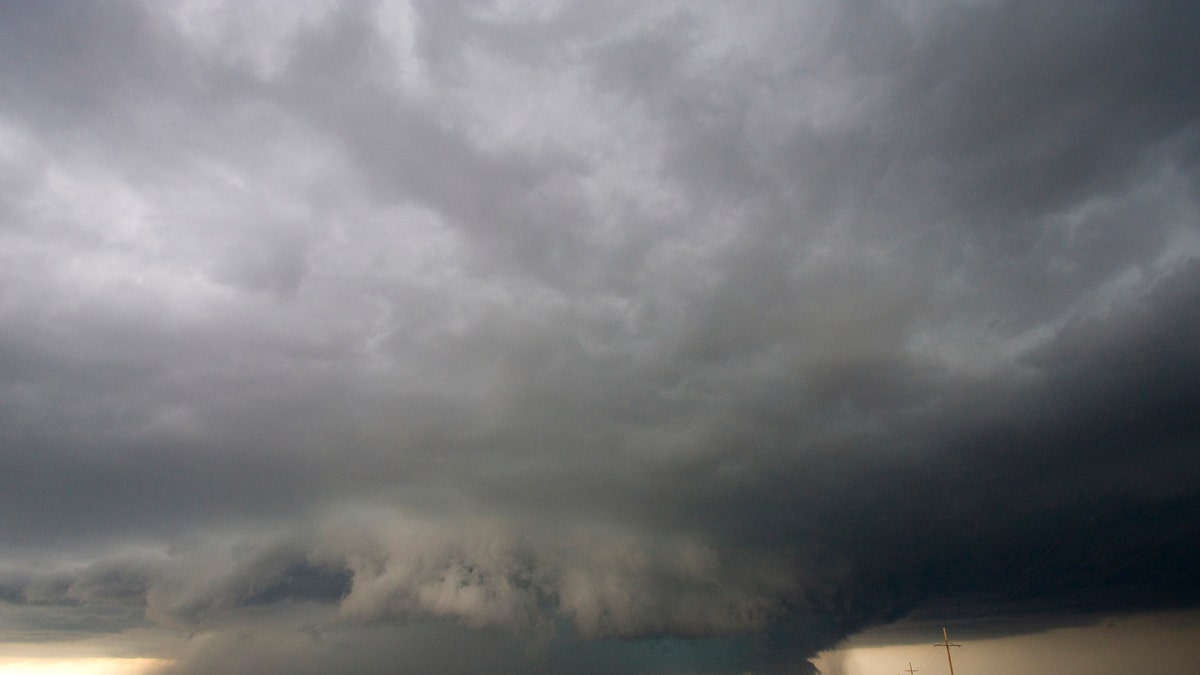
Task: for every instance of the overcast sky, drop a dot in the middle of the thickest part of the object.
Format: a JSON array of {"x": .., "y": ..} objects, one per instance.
[{"x": 531, "y": 336}]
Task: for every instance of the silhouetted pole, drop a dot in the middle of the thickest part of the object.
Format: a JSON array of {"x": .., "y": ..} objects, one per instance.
[
  {"x": 947, "y": 644},
  {"x": 910, "y": 670}
]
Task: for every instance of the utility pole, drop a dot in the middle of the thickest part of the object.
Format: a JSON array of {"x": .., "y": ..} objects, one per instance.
[
  {"x": 910, "y": 670},
  {"x": 947, "y": 644}
]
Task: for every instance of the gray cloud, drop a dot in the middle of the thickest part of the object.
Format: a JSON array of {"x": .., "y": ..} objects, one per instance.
[{"x": 661, "y": 337}]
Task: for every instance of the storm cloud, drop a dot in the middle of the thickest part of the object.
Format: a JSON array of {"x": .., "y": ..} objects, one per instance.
[{"x": 593, "y": 337}]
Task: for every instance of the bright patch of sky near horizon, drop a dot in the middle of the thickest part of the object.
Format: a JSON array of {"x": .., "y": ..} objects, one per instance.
[
  {"x": 1154, "y": 643},
  {"x": 80, "y": 666}
]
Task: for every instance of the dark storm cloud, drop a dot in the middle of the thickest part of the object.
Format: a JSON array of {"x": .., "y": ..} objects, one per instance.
[{"x": 594, "y": 337}]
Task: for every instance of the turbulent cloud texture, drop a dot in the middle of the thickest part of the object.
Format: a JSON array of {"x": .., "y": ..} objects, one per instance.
[{"x": 592, "y": 337}]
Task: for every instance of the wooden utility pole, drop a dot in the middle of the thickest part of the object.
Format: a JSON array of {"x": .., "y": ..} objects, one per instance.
[
  {"x": 910, "y": 670},
  {"x": 947, "y": 644}
]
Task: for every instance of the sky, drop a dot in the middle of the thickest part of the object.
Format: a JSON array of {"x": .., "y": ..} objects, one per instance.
[{"x": 535, "y": 336}]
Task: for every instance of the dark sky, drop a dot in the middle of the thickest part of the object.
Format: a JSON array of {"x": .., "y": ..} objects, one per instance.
[{"x": 531, "y": 336}]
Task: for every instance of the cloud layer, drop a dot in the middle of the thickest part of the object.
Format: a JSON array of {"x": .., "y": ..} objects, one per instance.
[{"x": 631, "y": 336}]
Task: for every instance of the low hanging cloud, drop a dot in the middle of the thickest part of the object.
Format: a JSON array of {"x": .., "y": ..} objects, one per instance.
[{"x": 376, "y": 569}]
